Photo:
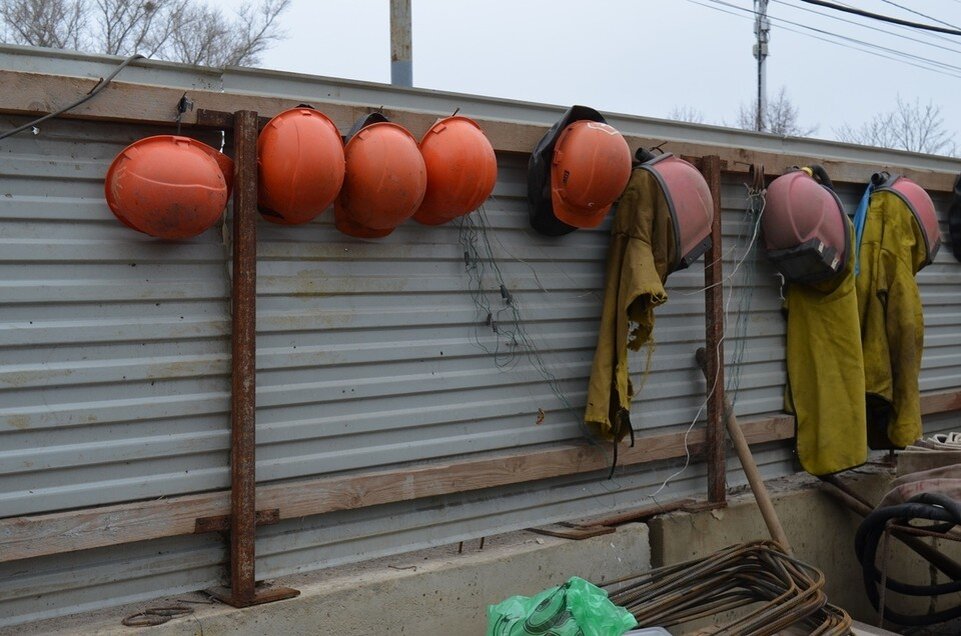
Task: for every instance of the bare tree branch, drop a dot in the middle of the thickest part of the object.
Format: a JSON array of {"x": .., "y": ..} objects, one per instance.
[
  {"x": 910, "y": 126},
  {"x": 780, "y": 117},
  {"x": 56, "y": 24},
  {"x": 178, "y": 30},
  {"x": 686, "y": 113}
]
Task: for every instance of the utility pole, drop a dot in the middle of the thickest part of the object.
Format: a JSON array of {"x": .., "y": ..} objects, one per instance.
[
  {"x": 401, "y": 49},
  {"x": 762, "y": 29}
]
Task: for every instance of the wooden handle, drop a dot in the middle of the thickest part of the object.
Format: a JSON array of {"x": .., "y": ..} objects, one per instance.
[{"x": 743, "y": 451}]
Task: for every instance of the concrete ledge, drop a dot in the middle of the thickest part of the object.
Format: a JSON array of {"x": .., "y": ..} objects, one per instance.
[{"x": 432, "y": 592}]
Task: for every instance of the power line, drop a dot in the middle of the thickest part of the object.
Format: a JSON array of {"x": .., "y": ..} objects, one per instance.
[
  {"x": 923, "y": 15},
  {"x": 876, "y": 29},
  {"x": 883, "y": 18},
  {"x": 896, "y": 55}
]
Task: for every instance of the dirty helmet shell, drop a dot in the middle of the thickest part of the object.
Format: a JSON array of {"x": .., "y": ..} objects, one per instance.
[
  {"x": 806, "y": 233},
  {"x": 576, "y": 172}
]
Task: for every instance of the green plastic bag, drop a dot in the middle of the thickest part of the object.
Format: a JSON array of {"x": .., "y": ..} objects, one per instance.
[{"x": 577, "y": 608}]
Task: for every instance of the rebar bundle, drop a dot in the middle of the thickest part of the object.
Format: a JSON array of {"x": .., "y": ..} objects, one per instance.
[{"x": 776, "y": 591}]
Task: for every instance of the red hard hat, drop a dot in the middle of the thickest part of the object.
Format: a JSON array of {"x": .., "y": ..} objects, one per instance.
[
  {"x": 590, "y": 168},
  {"x": 922, "y": 207},
  {"x": 461, "y": 170},
  {"x": 300, "y": 156},
  {"x": 385, "y": 181},
  {"x": 690, "y": 203},
  {"x": 804, "y": 225},
  {"x": 168, "y": 186}
]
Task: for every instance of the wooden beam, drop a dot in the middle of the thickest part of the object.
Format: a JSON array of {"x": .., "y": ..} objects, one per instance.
[
  {"x": 39, "y": 535},
  {"x": 38, "y": 93}
]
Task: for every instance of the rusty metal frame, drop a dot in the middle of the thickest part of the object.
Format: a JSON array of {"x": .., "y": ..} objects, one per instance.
[
  {"x": 243, "y": 590},
  {"x": 710, "y": 167}
]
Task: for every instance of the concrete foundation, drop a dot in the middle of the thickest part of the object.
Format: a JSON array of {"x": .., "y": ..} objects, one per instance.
[
  {"x": 435, "y": 592},
  {"x": 444, "y": 591},
  {"x": 821, "y": 532}
]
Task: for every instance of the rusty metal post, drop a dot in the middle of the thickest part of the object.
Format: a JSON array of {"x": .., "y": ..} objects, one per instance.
[
  {"x": 714, "y": 322},
  {"x": 243, "y": 371},
  {"x": 243, "y": 480}
]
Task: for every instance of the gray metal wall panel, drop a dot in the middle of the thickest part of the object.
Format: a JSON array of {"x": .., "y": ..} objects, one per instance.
[
  {"x": 113, "y": 346},
  {"x": 370, "y": 352},
  {"x": 367, "y": 352}
]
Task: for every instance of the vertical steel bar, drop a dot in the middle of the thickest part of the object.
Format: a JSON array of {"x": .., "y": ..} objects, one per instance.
[
  {"x": 714, "y": 322},
  {"x": 401, "y": 44},
  {"x": 243, "y": 367}
]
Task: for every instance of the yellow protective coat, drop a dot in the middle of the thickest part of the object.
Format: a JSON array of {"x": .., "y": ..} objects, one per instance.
[
  {"x": 642, "y": 249},
  {"x": 893, "y": 249},
  {"x": 825, "y": 369}
]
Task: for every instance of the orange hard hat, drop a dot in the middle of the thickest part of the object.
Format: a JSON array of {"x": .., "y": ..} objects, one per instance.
[
  {"x": 461, "y": 170},
  {"x": 385, "y": 181},
  {"x": 590, "y": 169},
  {"x": 168, "y": 186},
  {"x": 300, "y": 156}
]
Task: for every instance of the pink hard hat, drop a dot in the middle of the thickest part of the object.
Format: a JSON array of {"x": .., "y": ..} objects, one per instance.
[
  {"x": 689, "y": 201},
  {"x": 920, "y": 204},
  {"x": 805, "y": 230}
]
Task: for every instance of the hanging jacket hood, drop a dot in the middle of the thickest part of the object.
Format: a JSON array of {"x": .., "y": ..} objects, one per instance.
[
  {"x": 642, "y": 251},
  {"x": 825, "y": 368},
  {"x": 954, "y": 220},
  {"x": 893, "y": 249}
]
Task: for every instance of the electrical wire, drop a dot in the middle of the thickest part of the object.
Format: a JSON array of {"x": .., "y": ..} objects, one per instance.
[
  {"x": 894, "y": 57},
  {"x": 753, "y": 213},
  {"x": 935, "y": 36},
  {"x": 93, "y": 92},
  {"x": 510, "y": 334},
  {"x": 883, "y": 18},
  {"x": 923, "y": 15},
  {"x": 748, "y": 251},
  {"x": 873, "y": 28},
  {"x": 863, "y": 43}
]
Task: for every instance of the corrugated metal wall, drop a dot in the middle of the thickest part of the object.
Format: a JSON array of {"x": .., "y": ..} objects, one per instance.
[
  {"x": 113, "y": 347},
  {"x": 114, "y": 354}
]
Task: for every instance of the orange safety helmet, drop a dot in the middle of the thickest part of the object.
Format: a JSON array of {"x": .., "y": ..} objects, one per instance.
[
  {"x": 385, "y": 180},
  {"x": 576, "y": 172},
  {"x": 300, "y": 157},
  {"x": 168, "y": 186},
  {"x": 591, "y": 168},
  {"x": 461, "y": 170}
]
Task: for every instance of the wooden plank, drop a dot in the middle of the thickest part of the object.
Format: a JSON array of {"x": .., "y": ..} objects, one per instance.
[
  {"x": 38, "y": 535},
  {"x": 38, "y": 93},
  {"x": 914, "y": 461},
  {"x": 26, "y": 537},
  {"x": 940, "y": 402}
]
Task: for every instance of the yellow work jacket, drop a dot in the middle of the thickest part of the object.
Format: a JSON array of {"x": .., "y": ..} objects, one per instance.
[
  {"x": 825, "y": 369},
  {"x": 893, "y": 249},
  {"x": 642, "y": 249}
]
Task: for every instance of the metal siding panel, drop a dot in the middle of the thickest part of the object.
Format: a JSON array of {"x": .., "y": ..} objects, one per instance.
[
  {"x": 113, "y": 388},
  {"x": 113, "y": 350},
  {"x": 384, "y": 363}
]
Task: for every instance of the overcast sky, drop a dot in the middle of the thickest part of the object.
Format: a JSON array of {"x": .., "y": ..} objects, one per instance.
[{"x": 641, "y": 57}]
